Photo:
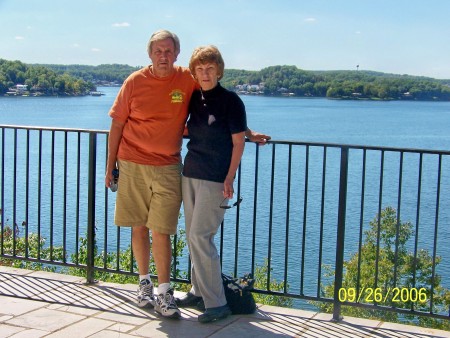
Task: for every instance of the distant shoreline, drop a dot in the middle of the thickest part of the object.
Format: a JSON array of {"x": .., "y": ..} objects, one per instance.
[{"x": 40, "y": 94}]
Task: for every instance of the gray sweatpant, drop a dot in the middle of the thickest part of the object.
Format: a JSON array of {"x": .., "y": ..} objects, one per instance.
[{"x": 203, "y": 216}]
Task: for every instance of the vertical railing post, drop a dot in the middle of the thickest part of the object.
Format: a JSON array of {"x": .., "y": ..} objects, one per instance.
[
  {"x": 91, "y": 208},
  {"x": 340, "y": 233}
]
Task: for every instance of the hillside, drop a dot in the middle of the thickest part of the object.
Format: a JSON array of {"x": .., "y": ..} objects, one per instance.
[
  {"x": 274, "y": 81},
  {"x": 17, "y": 78},
  {"x": 291, "y": 81}
]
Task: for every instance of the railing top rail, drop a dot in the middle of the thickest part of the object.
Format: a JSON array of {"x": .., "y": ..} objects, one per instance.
[
  {"x": 80, "y": 130},
  {"x": 358, "y": 146}
]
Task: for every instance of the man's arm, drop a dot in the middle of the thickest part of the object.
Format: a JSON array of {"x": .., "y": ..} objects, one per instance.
[{"x": 115, "y": 135}]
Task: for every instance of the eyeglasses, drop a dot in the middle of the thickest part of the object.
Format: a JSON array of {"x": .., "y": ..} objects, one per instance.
[
  {"x": 211, "y": 117},
  {"x": 230, "y": 206}
]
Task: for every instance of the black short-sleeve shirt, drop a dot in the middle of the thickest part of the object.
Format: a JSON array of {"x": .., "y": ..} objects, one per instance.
[{"x": 213, "y": 118}]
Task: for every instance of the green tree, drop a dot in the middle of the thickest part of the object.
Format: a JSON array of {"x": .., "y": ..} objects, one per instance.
[
  {"x": 15, "y": 243},
  {"x": 386, "y": 263},
  {"x": 40, "y": 79},
  {"x": 261, "y": 273},
  {"x": 124, "y": 261}
]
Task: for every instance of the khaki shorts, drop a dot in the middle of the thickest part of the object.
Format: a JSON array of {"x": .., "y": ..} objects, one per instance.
[{"x": 149, "y": 195}]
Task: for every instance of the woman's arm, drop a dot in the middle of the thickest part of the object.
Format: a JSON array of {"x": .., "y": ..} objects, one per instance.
[{"x": 236, "y": 155}]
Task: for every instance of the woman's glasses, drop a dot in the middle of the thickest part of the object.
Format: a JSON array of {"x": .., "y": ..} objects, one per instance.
[
  {"x": 226, "y": 206},
  {"x": 211, "y": 117}
]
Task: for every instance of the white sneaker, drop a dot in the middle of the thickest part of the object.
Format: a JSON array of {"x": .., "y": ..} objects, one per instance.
[
  {"x": 145, "y": 294},
  {"x": 166, "y": 306}
]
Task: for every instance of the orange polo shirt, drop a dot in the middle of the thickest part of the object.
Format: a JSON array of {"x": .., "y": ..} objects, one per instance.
[{"x": 154, "y": 111}]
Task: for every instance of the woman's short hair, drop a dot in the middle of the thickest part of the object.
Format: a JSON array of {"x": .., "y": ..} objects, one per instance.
[
  {"x": 207, "y": 54},
  {"x": 162, "y": 35}
]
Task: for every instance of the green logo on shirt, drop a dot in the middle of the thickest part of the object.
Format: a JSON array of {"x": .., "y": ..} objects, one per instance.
[{"x": 177, "y": 96}]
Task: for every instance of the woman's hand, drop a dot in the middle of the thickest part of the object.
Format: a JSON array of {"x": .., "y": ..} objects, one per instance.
[
  {"x": 257, "y": 137},
  {"x": 228, "y": 188}
]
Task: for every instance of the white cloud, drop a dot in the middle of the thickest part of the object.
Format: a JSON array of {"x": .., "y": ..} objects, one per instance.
[{"x": 121, "y": 24}]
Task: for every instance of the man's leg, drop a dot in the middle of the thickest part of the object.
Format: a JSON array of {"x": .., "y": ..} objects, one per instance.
[
  {"x": 162, "y": 254},
  {"x": 163, "y": 220},
  {"x": 141, "y": 248},
  {"x": 132, "y": 209},
  {"x": 140, "y": 240}
]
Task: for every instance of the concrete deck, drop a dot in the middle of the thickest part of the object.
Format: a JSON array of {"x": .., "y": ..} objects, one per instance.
[{"x": 41, "y": 304}]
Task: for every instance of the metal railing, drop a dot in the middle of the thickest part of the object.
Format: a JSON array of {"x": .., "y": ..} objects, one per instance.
[{"x": 316, "y": 218}]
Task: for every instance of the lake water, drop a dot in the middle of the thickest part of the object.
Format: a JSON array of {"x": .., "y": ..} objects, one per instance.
[
  {"x": 422, "y": 125},
  {"x": 392, "y": 123}
]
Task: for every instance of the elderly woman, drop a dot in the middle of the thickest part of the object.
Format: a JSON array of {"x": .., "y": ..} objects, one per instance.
[{"x": 216, "y": 127}]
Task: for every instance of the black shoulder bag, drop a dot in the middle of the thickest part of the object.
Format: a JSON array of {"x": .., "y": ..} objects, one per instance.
[{"x": 238, "y": 292}]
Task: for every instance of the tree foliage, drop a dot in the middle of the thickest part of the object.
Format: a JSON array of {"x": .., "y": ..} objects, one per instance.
[
  {"x": 124, "y": 261},
  {"x": 385, "y": 264},
  {"x": 18, "y": 243},
  {"x": 41, "y": 80},
  {"x": 102, "y": 74},
  {"x": 279, "y": 80},
  {"x": 261, "y": 273},
  {"x": 275, "y": 81}
]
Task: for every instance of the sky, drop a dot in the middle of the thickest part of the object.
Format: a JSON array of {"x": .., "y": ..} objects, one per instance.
[{"x": 391, "y": 36}]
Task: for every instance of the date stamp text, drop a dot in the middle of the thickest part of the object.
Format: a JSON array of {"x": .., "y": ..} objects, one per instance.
[{"x": 380, "y": 295}]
